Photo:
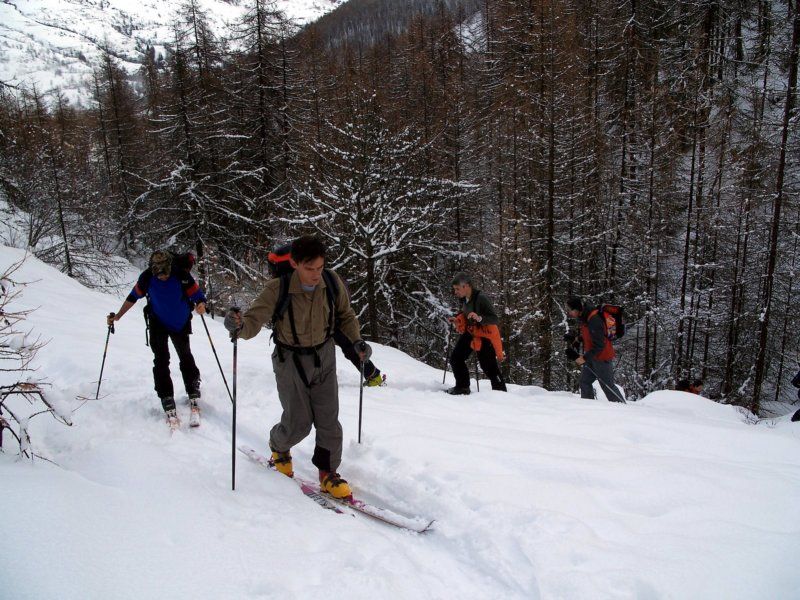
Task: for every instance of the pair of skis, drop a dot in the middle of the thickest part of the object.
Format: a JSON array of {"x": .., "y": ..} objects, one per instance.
[{"x": 340, "y": 505}]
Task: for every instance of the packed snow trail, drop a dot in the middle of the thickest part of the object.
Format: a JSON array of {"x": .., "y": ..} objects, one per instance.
[{"x": 535, "y": 494}]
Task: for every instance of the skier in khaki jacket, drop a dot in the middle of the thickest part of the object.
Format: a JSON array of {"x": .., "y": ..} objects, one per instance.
[{"x": 305, "y": 309}]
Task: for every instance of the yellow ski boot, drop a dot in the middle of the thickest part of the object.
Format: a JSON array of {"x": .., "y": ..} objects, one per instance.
[
  {"x": 376, "y": 381},
  {"x": 333, "y": 484},
  {"x": 283, "y": 463}
]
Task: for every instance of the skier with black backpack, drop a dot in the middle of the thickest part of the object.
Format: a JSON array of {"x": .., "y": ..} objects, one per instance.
[
  {"x": 305, "y": 308},
  {"x": 171, "y": 293},
  {"x": 280, "y": 265},
  {"x": 598, "y": 327}
]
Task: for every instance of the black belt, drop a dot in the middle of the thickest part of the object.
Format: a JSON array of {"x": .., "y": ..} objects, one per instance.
[
  {"x": 305, "y": 350},
  {"x": 301, "y": 350}
]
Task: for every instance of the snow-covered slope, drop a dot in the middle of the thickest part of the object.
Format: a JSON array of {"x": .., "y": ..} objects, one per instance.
[
  {"x": 535, "y": 494},
  {"x": 55, "y": 43}
]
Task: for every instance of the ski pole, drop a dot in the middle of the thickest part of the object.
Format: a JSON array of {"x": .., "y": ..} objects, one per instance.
[
  {"x": 214, "y": 350},
  {"x": 446, "y": 359},
  {"x": 616, "y": 393},
  {"x": 233, "y": 399},
  {"x": 360, "y": 399},
  {"x": 477, "y": 381},
  {"x": 105, "y": 351}
]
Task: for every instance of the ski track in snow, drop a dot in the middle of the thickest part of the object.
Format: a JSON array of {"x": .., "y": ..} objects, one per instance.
[{"x": 535, "y": 494}]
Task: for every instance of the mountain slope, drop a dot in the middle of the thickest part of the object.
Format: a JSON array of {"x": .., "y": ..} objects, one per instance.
[
  {"x": 536, "y": 494},
  {"x": 55, "y": 43},
  {"x": 366, "y": 22}
]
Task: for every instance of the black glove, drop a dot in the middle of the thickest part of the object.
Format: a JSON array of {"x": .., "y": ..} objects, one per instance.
[
  {"x": 571, "y": 353},
  {"x": 230, "y": 321},
  {"x": 364, "y": 348}
]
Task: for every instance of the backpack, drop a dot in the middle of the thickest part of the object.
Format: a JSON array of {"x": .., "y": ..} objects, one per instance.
[
  {"x": 184, "y": 261},
  {"x": 614, "y": 317},
  {"x": 279, "y": 260},
  {"x": 280, "y": 266}
]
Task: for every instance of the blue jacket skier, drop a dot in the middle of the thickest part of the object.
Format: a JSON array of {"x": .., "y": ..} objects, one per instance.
[{"x": 171, "y": 292}]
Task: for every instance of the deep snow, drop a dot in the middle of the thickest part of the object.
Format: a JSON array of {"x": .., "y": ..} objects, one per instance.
[{"x": 536, "y": 494}]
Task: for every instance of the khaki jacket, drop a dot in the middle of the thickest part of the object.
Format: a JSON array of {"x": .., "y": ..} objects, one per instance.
[{"x": 310, "y": 314}]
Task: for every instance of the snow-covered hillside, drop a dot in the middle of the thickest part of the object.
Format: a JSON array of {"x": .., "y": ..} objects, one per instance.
[
  {"x": 56, "y": 43},
  {"x": 535, "y": 494}
]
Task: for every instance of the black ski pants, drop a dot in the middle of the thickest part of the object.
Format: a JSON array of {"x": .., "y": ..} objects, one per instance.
[
  {"x": 159, "y": 337},
  {"x": 341, "y": 340},
  {"x": 601, "y": 371},
  {"x": 486, "y": 358}
]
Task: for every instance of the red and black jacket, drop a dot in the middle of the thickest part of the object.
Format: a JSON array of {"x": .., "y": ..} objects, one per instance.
[{"x": 596, "y": 345}]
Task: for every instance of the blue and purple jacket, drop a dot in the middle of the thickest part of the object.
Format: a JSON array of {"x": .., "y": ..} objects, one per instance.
[{"x": 171, "y": 300}]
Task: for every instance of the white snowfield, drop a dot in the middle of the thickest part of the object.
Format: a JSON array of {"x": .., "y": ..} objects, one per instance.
[
  {"x": 535, "y": 494},
  {"x": 57, "y": 43}
]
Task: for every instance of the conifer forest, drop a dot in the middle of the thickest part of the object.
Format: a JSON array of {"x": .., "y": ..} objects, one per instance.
[{"x": 639, "y": 152}]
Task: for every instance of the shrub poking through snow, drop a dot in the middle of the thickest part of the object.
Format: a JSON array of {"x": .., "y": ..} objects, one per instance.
[{"x": 21, "y": 393}]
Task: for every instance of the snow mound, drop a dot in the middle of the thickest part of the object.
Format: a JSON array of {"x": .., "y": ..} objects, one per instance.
[{"x": 690, "y": 406}]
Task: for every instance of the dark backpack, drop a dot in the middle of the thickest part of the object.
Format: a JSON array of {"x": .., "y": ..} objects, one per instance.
[
  {"x": 184, "y": 261},
  {"x": 614, "y": 318},
  {"x": 279, "y": 261}
]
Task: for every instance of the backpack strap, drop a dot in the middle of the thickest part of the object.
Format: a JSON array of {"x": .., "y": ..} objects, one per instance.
[
  {"x": 600, "y": 311},
  {"x": 332, "y": 291},
  {"x": 283, "y": 303},
  {"x": 143, "y": 283},
  {"x": 594, "y": 313}
]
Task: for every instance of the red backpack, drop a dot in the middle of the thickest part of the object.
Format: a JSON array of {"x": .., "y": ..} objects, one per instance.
[{"x": 614, "y": 317}]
